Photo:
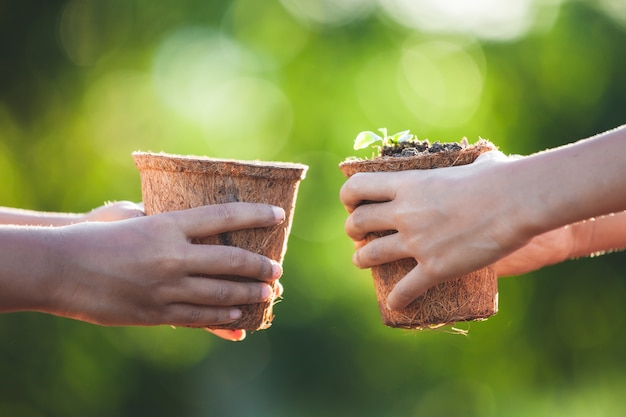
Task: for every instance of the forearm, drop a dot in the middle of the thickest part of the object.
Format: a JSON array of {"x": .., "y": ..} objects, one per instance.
[
  {"x": 36, "y": 218},
  {"x": 572, "y": 183},
  {"x": 27, "y": 266},
  {"x": 599, "y": 235}
]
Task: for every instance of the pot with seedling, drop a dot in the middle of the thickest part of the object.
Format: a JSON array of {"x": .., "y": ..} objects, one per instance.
[
  {"x": 176, "y": 182},
  {"x": 473, "y": 296}
]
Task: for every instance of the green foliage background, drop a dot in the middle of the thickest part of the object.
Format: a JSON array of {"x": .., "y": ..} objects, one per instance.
[{"x": 83, "y": 83}]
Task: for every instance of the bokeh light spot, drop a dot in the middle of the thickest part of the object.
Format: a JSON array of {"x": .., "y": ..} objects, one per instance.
[
  {"x": 440, "y": 82},
  {"x": 488, "y": 19},
  {"x": 213, "y": 82}
]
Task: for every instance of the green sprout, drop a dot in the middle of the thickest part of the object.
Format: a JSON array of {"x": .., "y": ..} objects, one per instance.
[{"x": 367, "y": 138}]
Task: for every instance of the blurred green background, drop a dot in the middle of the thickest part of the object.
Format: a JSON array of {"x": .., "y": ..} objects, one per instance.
[{"x": 83, "y": 83}]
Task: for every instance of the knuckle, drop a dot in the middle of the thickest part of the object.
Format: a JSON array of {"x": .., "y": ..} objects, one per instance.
[
  {"x": 264, "y": 212},
  {"x": 435, "y": 271},
  {"x": 344, "y": 192},
  {"x": 373, "y": 254},
  {"x": 241, "y": 262},
  {"x": 222, "y": 294},
  {"x": 404, "y": 296},
  {"x": 254, "y": 294},
  {"x": 348, "y": 188},
  {"x": 194, "y": 316},
  {"x": 236, "y": 259},
  {"x": 225, "y": 213},
  {"x": 173, "y": 261},
  {"x": 358, "y": 261},
  {"x": 356, "y": 220},
  {"x": 183, "y": 315}
]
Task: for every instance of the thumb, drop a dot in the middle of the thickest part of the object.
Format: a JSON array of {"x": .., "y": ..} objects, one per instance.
[{"x": 490, "y": 156}]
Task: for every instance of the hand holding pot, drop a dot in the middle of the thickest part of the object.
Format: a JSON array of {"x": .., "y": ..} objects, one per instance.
[
  {"x": 139, "y": 271},
  {"x": 562, "y": 203},
  {"x": 443, "y": 217}
]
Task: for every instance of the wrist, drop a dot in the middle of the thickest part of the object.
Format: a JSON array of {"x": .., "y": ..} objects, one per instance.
[
  {"x": 581, "y": 237},
  {"x": 522, "y": 212},
  {"x": 28, "y": 267},
  {"x": 598, "y": 235}
]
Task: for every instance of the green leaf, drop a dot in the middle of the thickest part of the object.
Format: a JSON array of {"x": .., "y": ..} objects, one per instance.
[
  {"x": 400, "y": 137},
  {"x": 365, "y": 139}
]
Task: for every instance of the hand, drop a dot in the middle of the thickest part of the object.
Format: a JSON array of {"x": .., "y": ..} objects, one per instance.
[
  {"x": 121, "y": 210},
  {"x": 452, "y": 221},
  {"x": 112, "y": 211},
  {"x": 238, "y": 335},
  {"x": 144, "y": 271},
  {"x": 545, "y": 249}
]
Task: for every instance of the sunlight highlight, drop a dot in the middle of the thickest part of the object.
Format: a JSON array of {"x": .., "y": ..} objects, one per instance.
[
  {"x": 486, "y": 19},
  {"x": 441, "y": 82},
  {"x": 218, "y": 85}
]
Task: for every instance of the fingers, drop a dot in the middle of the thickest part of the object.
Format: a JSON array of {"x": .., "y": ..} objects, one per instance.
[
  {"x": 181, "y": 314},
  {"x": 380, "y": 251},
  {"x": 219, "y": 218},
  {"x": 230, "y": 260},
  {"x": 414, "y": 284},
  {"x": 366, "y": 186},
  {"x": 204, "y": 302},
  {"x": 218, "y": 292},
  {"x": 369, "y": 218}
]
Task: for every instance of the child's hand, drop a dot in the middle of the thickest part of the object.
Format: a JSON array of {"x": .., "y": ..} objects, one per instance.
[
  {"x": 145, "y": 271},
  {"x": 452, "y": 221}
]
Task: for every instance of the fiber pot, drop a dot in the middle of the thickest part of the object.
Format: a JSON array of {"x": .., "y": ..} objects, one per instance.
[
  {"x": 468, "y": 297},
  {"x": 176, "y": 182}
]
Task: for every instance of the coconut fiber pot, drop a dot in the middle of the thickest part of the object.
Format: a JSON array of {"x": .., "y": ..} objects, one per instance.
[
  {"x": 469, "y": 297},
  {"x": 175, "y": 182}
]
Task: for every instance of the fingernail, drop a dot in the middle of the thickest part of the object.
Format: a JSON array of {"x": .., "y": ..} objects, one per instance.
[
  {"x": 355, "y": 259},
  {"x": 279, "y": 214},
  {"x": 234, "y": 313},
  {"x": 266, "y": 292},
  {"x": 277, "y": 270}
]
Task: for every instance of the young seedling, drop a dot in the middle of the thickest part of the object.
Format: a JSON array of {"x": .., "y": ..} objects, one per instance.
[
  {"x": 403, "y": 144},
  {"x": 368, "y": 138}
]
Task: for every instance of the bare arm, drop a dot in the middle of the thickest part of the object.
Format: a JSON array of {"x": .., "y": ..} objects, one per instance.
[
  {"x": 589, "y": 237},
  {"x": 572, "y": 183},
  {"x": 599, "y": 235},
  {"x": 108, "y": 212},
  {"x": 459, "y": 219}
]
